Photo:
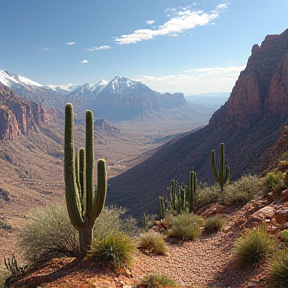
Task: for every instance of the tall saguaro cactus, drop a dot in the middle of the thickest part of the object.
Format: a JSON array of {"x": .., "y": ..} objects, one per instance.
[
  {"x": 224, "y": 171},
  {"x": 84, "y": 204}
]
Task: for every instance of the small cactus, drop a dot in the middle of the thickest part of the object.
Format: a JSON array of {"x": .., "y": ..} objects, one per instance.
[{"x": 224, "y": 171}]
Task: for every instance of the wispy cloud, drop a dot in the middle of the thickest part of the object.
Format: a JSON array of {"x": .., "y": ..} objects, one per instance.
[
  {"x": 84, "y": 61},
  {"x": 150, "y": 22},
  {"x": 71, "y": 43},
  {"x": 180, "y": 21},
  {"x": 193, "y": 81},
  {"x": 104, "y": 47},
  {"x": 44, "y": 49}
]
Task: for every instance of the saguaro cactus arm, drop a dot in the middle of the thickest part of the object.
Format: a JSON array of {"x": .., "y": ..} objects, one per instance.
[
  {"x": 89, "y": 150},
  {"x": 100, "y": 191}
]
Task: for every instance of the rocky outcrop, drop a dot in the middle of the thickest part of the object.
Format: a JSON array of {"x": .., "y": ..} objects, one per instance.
[
  {"x": 9, "y": 128},
  {"x": 19, "y": 116},
  {"x": 261, "y": 89}
]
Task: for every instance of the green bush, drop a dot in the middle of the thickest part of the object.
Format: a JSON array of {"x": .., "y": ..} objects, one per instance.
[
  {"x": 213, "y": 223},
  {"x": 153, "y": 242},
  {"x": 48, "y": 232},
  {"x": 242, "y": 190},
  {"x": 272, "y": 179},
  {"x": 113, "y": 252},
  {"x": 186, "y": 226},
  {"x": 278, "y": 269},
  {"x": 157, "y": 281},
  {"x": 253, "y": 246}
]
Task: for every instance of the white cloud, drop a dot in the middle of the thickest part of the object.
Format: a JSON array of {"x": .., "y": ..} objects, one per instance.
[
  {"x": 182, "y": 20},
  {"x": 71, "y": 43},
  {"x": 41, "y": 49},
  {"x": 84, "y": 61},
  {"x": 150, "y": 22},
  {"x": 195, "y": 81},
  {"x": 104, "y": 47}
]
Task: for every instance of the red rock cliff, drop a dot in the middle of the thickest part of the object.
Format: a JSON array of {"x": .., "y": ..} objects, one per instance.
[
  {"x": 261, "y": 89},
  {"x": 19, "y": 116}
]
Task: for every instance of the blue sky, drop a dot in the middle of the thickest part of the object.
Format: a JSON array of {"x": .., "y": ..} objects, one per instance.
[{"x": 170, "y": 45}]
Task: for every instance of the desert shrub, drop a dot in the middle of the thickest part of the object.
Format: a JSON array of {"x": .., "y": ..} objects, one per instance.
[
  {"x": 284, "y": 156},
  {"x": 186, "y": 226},
  {"x": 157, "y": 281},
  {"x": 129, "y": 226},
  {"x": 284, "y": 236},
  {"x": 48, "y": 233},
  {"x": 113, "y": 252},
  {"x": 272, "y": 179},
  {"x": 278, "y": 269},
  {"x": 109, "y": 221},
  {"x": 206, "y": 195},
  {"x": 242, "y": 190},
  {"x": 252, "y": 247},
  {"x": 213, "y": 223},
  {"x": 283, "y": 166},
  {"x": 153, "y": 242},
  {"x": 4, "y": 274}
]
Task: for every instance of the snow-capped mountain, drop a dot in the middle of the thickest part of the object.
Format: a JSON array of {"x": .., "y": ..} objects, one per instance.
[
  {"x": 11, "y": 80},
  {"x": 119, "y": 99},
  {"x": 87, "y": 90},
  {"x": 123, "y": 99}
]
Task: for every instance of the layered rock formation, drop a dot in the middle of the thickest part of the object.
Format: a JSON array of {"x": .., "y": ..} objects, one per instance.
[
  {"x": 249, "y": 123},
  {"x": 18, "y": 116},
  {"x": 261, "y": 89}
]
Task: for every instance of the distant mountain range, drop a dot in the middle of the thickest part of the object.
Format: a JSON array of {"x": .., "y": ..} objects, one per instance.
[
  {"x": 212, "y": 100},
  {"x": 117, "y": 100}
]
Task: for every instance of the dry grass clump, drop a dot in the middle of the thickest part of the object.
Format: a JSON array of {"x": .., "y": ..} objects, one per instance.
[
  {"x": 213, "y": 223},
  {"x": 185, "y": 226},
  {"x": 157, "y": 281},
  {"x": 278, "y": 269},
  {"x": 253, "y": 246},
  {"x": 153, "y": 243},
  {"x": 113, "y": 252}
]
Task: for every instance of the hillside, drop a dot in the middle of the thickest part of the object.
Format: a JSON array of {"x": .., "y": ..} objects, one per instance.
[{"x": 249, "y": 123}]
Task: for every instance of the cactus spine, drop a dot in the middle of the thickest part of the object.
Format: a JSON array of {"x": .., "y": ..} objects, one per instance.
[
  {"x": 191, "y": 190},
  {"x": 224, "y": 171},
  {"x": 84, "y": 204}
]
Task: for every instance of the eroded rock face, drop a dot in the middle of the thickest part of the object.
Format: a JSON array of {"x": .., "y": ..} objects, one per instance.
[
  {"x": 18, "y": 116},
  {"x": 261, "y": 89},
  {"x": 9, "y": 129}
]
